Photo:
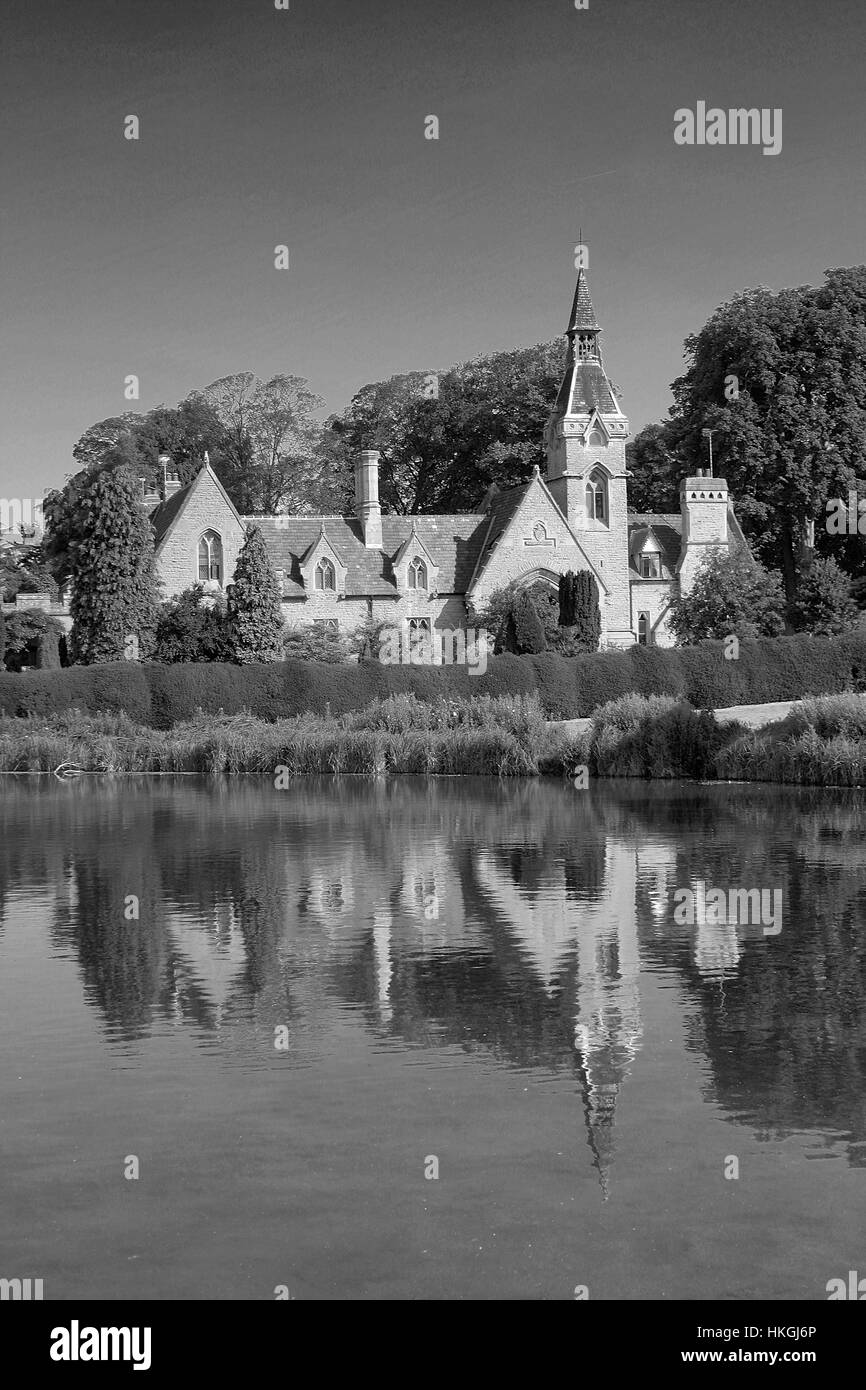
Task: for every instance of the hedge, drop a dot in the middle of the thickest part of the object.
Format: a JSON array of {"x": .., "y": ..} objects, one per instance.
[{"x": 780, "y": 668}]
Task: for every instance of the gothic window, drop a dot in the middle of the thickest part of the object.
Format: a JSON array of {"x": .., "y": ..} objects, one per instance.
[
  {"x": 596, "y": 440},
  {"x": 649, "y": 566},
  {"x": 326, "y": 577},
  {"x": 643, "y": 629},
  {"x": 210, "y": 558},
  {"x": 419, "y": 624},
  {"x": 417, "y": 575},
  {"x": 596, "y": 498}
]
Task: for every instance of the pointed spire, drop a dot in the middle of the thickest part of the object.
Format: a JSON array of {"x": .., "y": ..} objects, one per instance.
[{"x": 582, "y": 318}]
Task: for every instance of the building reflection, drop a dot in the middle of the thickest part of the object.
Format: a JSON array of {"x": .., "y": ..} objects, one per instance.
[{"x": 520, "y": 922}]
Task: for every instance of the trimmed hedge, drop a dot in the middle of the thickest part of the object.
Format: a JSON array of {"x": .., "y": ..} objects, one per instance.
[{"x": 779, "y": 668}]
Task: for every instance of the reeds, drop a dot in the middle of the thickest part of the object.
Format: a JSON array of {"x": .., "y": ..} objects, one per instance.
[{"x": 500, "y": 737}]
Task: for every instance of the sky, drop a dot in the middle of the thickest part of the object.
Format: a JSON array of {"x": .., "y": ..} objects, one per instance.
[{"x": 306, "y": 128}]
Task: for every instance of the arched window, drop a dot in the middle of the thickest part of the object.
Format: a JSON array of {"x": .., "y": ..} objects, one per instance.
[
  {"x": 210, "y": 558},
  {"x": 596, "y": 498},
  {"x": 326, "y": 576},
  {"x": 417, "y": 575},
  {"x": 643, "y": 629}
]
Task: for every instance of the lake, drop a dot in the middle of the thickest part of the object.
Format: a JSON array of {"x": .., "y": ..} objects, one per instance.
[{"x": 426, "y": 1039}]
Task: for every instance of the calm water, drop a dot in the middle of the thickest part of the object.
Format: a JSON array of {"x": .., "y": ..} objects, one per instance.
[{"x": 489, "y": 975}]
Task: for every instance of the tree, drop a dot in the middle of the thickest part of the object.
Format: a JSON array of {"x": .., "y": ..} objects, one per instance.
[
  {"x": 192, "y": 627},
  {"x": 110, "y": 553},
  {"x": 270, "y": 458},
  {"x": 525, "y": 628},
  {"x": 781, "y": 380},
  {"x": 255, "y": 620},
  {"x": 444, "y": 437},
  {"x": 656, "y": 469},
  {"x": 732, "y": 595},
  {"x": 2, "y": 640},
  {"x": 32, "y": 639},
  {"x": 823, "y": 605},
  {"x": 586, "y": 630},
  {"x": 567, "y": 616}
]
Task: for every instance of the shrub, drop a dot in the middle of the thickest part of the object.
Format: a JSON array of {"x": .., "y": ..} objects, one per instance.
[
  {"x": 255, "y": 620},
  {"x": 657, "y": 736},
  {"x": 315, "y": 643},
  {"x": 525, "y": 628},
  {"x": 785, "y": 668},
  {"x": 731, "y": 594},
  {"x": 192, "y": 627},
  {"x": 823, "y": 605},
  {"x": 579, "y": 613}
]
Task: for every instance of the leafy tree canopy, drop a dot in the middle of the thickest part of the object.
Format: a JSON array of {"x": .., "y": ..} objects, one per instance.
[{"x": 732, "y": 595}]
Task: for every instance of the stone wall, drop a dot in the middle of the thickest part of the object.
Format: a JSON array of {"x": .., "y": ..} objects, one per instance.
[{"x": 206, "y": 510}]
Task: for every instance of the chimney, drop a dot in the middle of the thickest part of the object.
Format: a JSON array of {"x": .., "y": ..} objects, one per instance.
[
  {"x": 367, "y": 498},
  {"x": 704, "y": 512},
  {"x": 170, "y": 477},
  {"x": 150, "y": 495}
]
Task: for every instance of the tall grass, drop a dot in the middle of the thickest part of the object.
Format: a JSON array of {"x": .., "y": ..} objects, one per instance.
[
  {"x": 502, "y": 737},
  {"x": 822, "y": 742}
]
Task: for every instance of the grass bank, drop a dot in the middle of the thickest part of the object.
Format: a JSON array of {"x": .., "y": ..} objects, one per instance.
[
  {"x": 500, "y": 737},
  {"x": 822, "y": 742}
]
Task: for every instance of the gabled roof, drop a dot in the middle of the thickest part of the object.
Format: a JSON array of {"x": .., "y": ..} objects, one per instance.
[
  {"x": 666, "y": 530},
  {"x": 322, "y": 536},
  {"x": 412, "y": 542},
  {"x": 452, "y": 542},
  {"x": 502, "y": 512},
  {"x": 163, "y": 517},
  {"x": 166, "y": 512}
]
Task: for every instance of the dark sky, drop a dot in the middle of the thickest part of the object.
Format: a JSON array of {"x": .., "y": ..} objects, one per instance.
[{"x": 307, "y": 127}]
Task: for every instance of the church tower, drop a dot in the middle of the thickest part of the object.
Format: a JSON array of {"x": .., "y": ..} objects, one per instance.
[{"x": 586, "y": 471}]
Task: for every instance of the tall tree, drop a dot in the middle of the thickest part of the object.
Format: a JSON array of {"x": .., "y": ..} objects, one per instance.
[
  {"x": 656, "y": 469},
  {"x": 587, "y": 614},
  {"x": 110, "y": 553},
  {"x": 732, "y": 595},
  {"x": 269, "y": 446},
  {"x": 780, "y": 378},
  {"x": 255, "y": 620},
  {"x": 444, "y": 437}
]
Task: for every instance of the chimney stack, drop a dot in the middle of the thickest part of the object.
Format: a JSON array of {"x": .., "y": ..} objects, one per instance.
[
  {"x": 170, "y": 477},
  {"x": 367, "y": 498}
]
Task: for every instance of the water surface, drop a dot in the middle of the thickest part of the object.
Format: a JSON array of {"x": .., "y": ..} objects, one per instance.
[{"x": 484, "y": 974}]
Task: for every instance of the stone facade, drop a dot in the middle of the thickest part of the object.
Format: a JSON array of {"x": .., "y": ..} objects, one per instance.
[{"x": 433, "y": 571}]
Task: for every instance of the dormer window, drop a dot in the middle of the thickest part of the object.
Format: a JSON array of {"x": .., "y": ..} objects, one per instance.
[
  {"x": 596, "y": 497},
  {"x": 650, "y": 567},
  {"x": 416, "y": 575},
  {"x": 326, "y": 576},
  {"x": 210, "y": 558}
]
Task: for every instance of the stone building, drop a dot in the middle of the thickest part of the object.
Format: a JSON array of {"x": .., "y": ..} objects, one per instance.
[{"x": 428, "y": 573}]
